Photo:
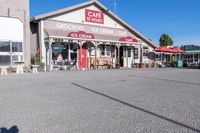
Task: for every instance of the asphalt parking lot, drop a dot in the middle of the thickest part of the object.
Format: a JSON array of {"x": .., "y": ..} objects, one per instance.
[{"x": 104, "y": 101}]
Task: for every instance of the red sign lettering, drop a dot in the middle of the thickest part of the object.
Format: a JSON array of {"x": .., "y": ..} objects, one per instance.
[
  {"x": 94, "y": 16},
  {"x": 128, "y": 39},
  {"x": 81, "y": 34}
]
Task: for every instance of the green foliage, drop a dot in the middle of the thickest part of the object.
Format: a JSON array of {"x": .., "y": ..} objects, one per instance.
[
  {"x": 173, "y": 63},
  {"x": 165, "y": 40},
  {"x": 34, "y": 60}
]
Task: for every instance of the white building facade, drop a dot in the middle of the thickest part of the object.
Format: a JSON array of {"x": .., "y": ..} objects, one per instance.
[
  {"x": 90, "y": 36},
  {"x": 14, "y": 32}
]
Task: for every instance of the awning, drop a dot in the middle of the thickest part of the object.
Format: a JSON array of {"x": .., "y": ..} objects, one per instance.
[
  {"x": 80, "y": 34},
  {"x": 87, "y": 36}
]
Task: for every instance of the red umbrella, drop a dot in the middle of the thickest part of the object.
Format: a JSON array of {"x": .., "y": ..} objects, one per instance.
[
  {"x": 177, "y": 50},
  {"x": 163, "y": 49}
]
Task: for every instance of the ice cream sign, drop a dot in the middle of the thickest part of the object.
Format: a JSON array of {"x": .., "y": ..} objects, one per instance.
[{"x": 93, "y": 16}]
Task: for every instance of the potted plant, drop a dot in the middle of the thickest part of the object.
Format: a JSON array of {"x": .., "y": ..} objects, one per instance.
[{"x": 34, "y": 63}]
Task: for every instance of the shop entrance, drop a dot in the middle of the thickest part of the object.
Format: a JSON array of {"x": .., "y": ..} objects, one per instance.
[
  {"x": 87, "y": 50},
  {"x": 84, "y": 56},
  {"x": 64, "y": 55},
  {"x": 130, "y": 52},
  {"x": 121, "y": 56}
]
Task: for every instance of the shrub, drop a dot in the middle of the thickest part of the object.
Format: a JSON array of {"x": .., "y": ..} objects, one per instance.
[{"x": 34, "y": 60}]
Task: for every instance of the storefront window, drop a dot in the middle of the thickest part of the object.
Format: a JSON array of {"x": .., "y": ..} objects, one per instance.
[
  {"x": 4, "y": 46},
  {"x": 108, "y": 50},
  {"x": 73, "y": 51},
  {"x": 7, "y": 55},
  {"x": 5, "y": 60},
  {"x": 59, "y": 49},
  {"x": 129, "y": 52},
  {"x": 16, "y": 47},
  {"x": 102, "y": 48},
  {"x": 145, "y": 51}
]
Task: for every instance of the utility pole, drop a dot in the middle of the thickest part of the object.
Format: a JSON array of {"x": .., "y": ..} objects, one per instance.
[{"x": 115, "y": 6}]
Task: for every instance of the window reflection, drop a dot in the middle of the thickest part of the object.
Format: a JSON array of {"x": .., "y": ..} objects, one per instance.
[
  {"x": 4, "y": 46},
  {"x": 16, "y": 47},
  {"x": 6, "y": 52},
  {"x": 59, "y": 48}
]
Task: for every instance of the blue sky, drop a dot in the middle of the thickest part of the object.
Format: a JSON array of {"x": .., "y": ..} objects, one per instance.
[{"x": 178, "y": 18}]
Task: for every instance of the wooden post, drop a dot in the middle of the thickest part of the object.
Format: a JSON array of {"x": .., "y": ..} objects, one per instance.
[
  {"x": 95, "y": 45},
  {"x": 50, "y": 55},
  {"x": 80, "y": 61}
]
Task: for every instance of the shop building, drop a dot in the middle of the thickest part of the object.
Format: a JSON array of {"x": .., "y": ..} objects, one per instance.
[
  {"x": 14, "y": 32},
  {"x": 88, "y": 36},
  {"x": 191, "y": 55}
]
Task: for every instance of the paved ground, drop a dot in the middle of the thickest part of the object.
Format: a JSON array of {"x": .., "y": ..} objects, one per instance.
[{"x": 110, "y": 101}]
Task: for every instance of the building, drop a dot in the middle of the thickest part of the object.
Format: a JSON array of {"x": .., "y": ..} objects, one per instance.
[
  {"x": 15, "y": 32},
  {"x": 87, "y": 35},
  {"x": 191, "y": 55}
]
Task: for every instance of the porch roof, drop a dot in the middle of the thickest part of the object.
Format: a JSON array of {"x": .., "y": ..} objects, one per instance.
[{"x": 85, "y": 36}]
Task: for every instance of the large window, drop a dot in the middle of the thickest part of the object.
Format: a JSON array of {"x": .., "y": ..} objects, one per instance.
[
  {"x": 4, "y": 46},
  {"x": 73, "y": 51},
  {"x": 59, "y": 49},
  {"x": 5, "y": 60},
  {"x": 129, "y": 52},
  {"x": 135, "y": 53},
  {"x": 106, "y": 50},
  {"x": 145, "y": 51},
  {"x": 102, "y": 48},
  {"x": 10, "y": 52},
  {"x": 16, "y": 47}
]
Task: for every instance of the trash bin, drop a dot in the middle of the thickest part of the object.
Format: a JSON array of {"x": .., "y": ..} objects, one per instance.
[{"x": 180, "y": 63}]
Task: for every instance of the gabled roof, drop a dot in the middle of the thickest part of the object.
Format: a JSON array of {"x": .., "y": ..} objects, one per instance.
[{"x": 102, "y": 7}]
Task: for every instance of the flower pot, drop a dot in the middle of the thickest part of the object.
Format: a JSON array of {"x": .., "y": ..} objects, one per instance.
[
  {"x": 117, "y": 66},
  {"x": 141, "y": 65}
]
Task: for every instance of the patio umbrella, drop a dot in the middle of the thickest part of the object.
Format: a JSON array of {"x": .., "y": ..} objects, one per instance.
[
  {"x": 177, "y": 50},
  {"x": 163, "y": 49}
]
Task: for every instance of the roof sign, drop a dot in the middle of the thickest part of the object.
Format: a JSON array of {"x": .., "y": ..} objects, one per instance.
[{"x": 93, "y": 16}]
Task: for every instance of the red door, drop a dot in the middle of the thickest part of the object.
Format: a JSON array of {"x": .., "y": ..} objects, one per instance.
[{"x": 84, "y": 56}]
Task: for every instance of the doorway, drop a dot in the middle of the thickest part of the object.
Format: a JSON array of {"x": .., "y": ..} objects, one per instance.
[{"x": 121, "y": 56}]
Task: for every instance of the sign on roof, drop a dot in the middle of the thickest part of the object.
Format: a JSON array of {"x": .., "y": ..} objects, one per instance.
[{"x": 94, "y": 16}]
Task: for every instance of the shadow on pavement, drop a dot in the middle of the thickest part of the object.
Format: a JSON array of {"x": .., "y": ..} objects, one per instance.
[
  {"x": 13, "y": 129},
  {"x": 170, "y": 80},
  {"x": 140, "y": 109}
]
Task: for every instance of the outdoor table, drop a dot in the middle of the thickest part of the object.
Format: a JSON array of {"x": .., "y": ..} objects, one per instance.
[
  {"x": 20, "y": 65},
  {"x": 4, "y": 70}
]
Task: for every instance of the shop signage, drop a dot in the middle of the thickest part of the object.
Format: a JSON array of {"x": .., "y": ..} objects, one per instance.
[
  {"x": 81, "y": 34},
  {"x": 74, "y": 27},
  {"x": 94, "y": 16},
  {"x": 128, "y": 39}
]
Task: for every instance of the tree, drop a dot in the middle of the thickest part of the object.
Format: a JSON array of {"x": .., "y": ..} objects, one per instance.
[{"x": 165, "y": 40}]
